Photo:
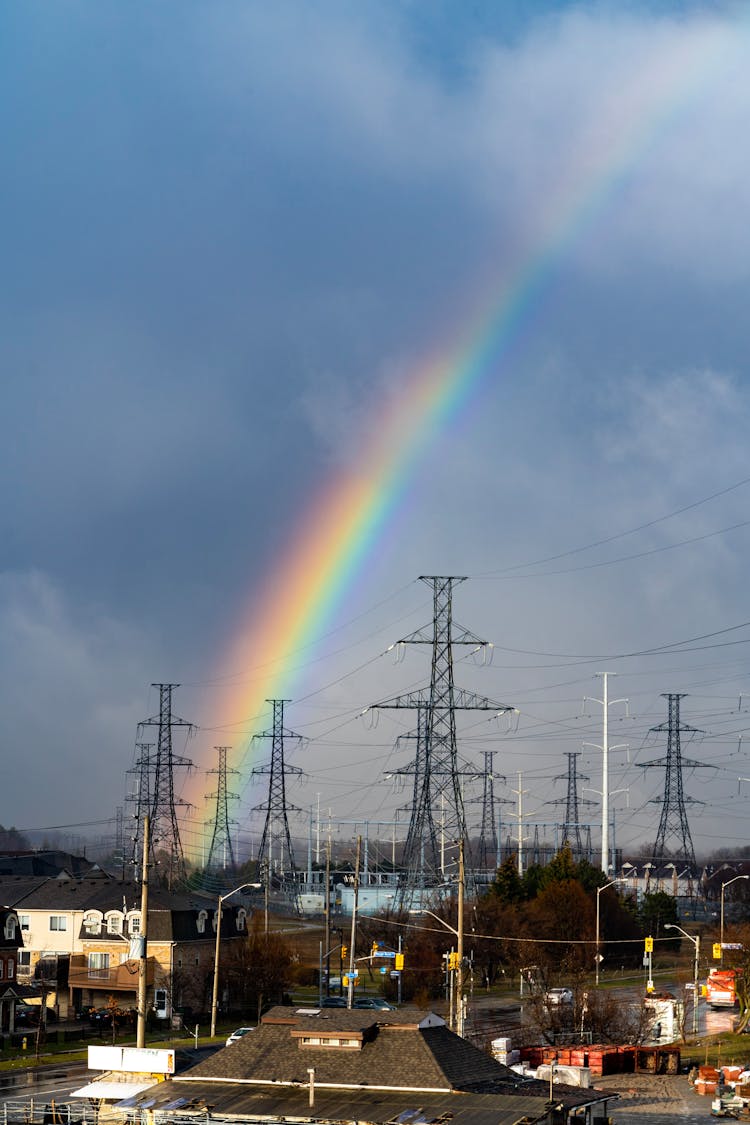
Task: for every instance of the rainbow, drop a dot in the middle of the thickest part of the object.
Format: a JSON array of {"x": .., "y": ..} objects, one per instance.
[{"x": 325, "y": 553}]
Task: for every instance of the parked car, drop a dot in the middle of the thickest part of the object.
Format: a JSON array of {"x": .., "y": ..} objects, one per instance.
[
  {"x": 334, "y": 1002},
  {"x": 238, "y": 1034},
  {"x": 555, "y": 997},
  {"x": 103, "y": 1017},
  {"x": 27, "y": 1015},
  {"x": 376, "y": 1002}
]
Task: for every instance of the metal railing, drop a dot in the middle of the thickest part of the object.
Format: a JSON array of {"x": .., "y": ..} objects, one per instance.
[{"x": 30, "y": 1111}]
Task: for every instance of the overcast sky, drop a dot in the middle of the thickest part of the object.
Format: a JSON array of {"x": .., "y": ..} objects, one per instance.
[{"x": 231, "y": 234}]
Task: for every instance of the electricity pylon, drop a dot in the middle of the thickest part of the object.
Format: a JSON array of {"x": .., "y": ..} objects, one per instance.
[
  {"x": 275, "y": 853},
  {"x": 221, "y": 854},
  {"x": 440, "y": 783},
  {"x": 572, "y": 834},
  {"x": 160, "y": 767},
  {"x": 673, "y": 823},
  {"x": 489, "y": 847}
]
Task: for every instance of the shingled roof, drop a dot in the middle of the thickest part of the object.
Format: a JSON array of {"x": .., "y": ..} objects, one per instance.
[{"x": 407, "y": 1050}]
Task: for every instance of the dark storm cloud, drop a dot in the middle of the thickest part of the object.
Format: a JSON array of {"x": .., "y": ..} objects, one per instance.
[{"x": 229, "y": 229}]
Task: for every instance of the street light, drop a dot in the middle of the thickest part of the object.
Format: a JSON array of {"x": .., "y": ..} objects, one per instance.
[
  {"x": 215, "y": 996},
  {"x": 697, "y": 943},
  {"x": 721, "y": 937},
  {"x": 459, "y": 936},
  {"x": 598, "y": 892}
]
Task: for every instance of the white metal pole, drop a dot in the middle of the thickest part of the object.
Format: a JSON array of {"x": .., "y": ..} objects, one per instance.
[{"x": 605, "y": 780}]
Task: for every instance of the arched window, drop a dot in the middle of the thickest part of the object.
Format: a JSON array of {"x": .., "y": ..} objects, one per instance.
[
  {"x": 10, "y": 927},
  {"x": 241, "y": 919},
  {"x": 201, "y": 921},
  {"x": 114, "y": 922},
  {"x": 92, "y": 922}
]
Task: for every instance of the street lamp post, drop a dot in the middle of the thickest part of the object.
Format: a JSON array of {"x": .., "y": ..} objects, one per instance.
[
  {"x": 215, "y": 994},
  {"x": 697, "y": 945},
  {"x": 458, "y": 933},
  {"x": 721, "y": 931},
  {"x": 598, "y": 892}
]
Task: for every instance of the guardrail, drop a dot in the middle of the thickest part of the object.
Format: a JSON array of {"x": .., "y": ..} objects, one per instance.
[{"x": 30, "y": 1111}]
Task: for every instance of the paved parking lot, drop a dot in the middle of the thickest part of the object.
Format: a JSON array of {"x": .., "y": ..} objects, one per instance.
[{"x": 655, "y": 1099}]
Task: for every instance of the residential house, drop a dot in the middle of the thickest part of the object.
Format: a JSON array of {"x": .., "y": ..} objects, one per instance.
[
  {"x": 10, "y": 940},
  {"x": 81, "y": 937}
]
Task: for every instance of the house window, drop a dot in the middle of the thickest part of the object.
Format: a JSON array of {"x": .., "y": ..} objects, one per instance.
[
  {"x": 24, "y": 921},
  {"x": 10, "y": 927},
  {"x": 11, "y": 970},
  {"x": 135, "y": 924},
  {"x": 241, "y": 919},
  {"x": 58, "y": 922},
  {"x": 114, "y": 924},
  {"x": 24, "y": 957},
  {"x": 98, "y": 964},
  {"x": 2, "y": 968},
  {"x": 201, "y": 922},
  {"x": 92, "y": 924}
]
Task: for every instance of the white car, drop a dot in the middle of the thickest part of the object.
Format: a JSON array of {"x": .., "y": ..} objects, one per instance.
[
  {"x": 237, "y": 1035},
  {"x": 557, "y": 996}
]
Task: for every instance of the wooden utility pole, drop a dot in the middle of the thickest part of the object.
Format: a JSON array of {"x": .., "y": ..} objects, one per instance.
[
  {"x": 459, "y": 1022},
  {"x": 143, "y": 959},
  {"x": 350, "y": 989}
]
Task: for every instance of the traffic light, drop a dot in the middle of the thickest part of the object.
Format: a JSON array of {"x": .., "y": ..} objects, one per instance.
[
  {"x": 399, "y": 961},
  {"x": 649, "y": 947},
  {"x": 374, "y": 950},
  {"x": 344, "y": 951}
]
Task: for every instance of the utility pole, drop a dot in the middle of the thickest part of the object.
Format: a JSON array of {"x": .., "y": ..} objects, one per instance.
[
  {"x": 459, "y": 1023},
  {"x": 143, "y": 937},
  {"x": 353, "y": 938},
  {"x": 520, "y": 792},
  {"x": 605, "y": 703}
]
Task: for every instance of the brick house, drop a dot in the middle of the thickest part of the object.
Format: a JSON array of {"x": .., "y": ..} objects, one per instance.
[
  {"x": 10, "y": 940},
  {"x": 77, "y": 935}
]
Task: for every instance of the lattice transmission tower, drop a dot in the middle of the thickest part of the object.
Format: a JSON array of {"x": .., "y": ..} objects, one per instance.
[
  {"x": 276, "y": 854},
  {"x": 221, "y": 854},
  {"x": 572, "y": 830},
  {"x": 156, "y": 791},
  {"x": 488, "y": 856},
  {"x": 673, "y": 824},
  {"x": 439, "y": 794}
]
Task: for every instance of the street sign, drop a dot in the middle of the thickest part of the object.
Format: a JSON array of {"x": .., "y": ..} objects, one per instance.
[
  {"x": 383, "y": 971},
  {"x": 384, "y": 953}
]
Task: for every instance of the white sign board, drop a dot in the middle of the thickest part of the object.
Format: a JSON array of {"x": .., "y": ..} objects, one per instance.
[{"x": 132, "y": 1060}]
